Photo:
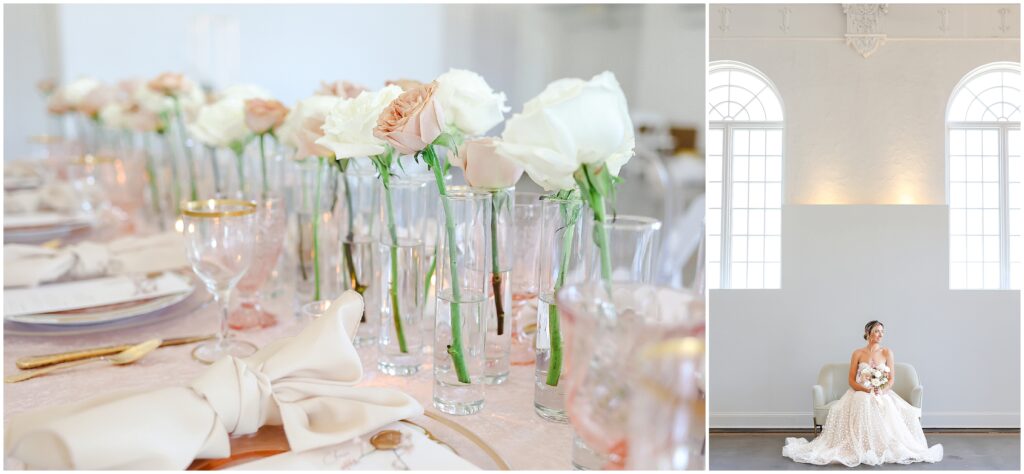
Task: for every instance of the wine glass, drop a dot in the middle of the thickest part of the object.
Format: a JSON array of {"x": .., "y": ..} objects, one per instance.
[{"x": 219, "y": 242}]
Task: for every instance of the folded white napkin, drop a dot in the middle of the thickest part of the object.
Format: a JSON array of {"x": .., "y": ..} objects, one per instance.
[
  {"x": 30, "y": 265},
  {"x": 57, "y": 197},
  {"x": 305, "y": 383}
]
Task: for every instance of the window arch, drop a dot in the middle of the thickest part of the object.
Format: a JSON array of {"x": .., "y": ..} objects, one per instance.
[
  {"x": 984, "y": 175},
  {"x": 744, "y": 183}
]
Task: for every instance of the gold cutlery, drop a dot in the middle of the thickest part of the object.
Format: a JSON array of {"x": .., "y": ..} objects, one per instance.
[
  {"x": 32, "y": 362},
  {"x": 124, "y": 357}
]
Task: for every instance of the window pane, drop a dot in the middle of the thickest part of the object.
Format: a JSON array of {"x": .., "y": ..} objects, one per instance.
[
  {"x": 990, "y": 142},
  {"x": 755, "y": 249},
  {"x": 756, "y": 195},
  {"x": 714, "y": 276},
  {"x": 957, "y": 145},
  {"x": 738, "y": 277},
  {"x": 975, "y": 279},
  {"x": 991, "y": 249},
  {"x": 772, "y": 249},
  {"x": 739, "y": 222},
  {"x": 755, "y": 222},
  {"x": 713, "y": 221},
  {"x": 957, "y": 168},
  {"x": 773, "y": 195},
  {"x": 756, "y": 168},
  {"x": 990, "y": 169},
  {"x": 755, "y": 275},
  {"x": 715, "y": 140},
  {"x": 957, "y": 275},
  {"x": 757, "y": 142},
  {"x": 739, "y": 195},
  {"x": 957, "y": 248},
  {"x": 740, "y": 142},
  {"x": 974, "y": 222},
  {"x": 957, "y": 221},
  {"x": 974, "y": 195},
  {"x": 773, "y": 168},
  {"x": 739, "y": 249},
  {"x": 1016, "y": 275},
  {"x": 715, "y": 195},
  {"x": 992, "y": 275},
  {"x": 991, "y": 195},
  {"x": 773, "y": 144},
  {"x": 714, "y": 249},
  {"x": 958, "y": 195},
  {"x": 773, "y": 222},
  {"x": 973, "y": 142},
  {"x": 974, "y": 167},
  {"x": 772, "y": 275},
  {"x": 991, "y": 217},
  {"x": 739, "y": 168}
]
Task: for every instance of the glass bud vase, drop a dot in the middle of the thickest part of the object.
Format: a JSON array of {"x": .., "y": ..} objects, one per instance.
[
  {"x": 462, "y": 279},
  {"x": 632, "y": 248},
  {"x": 526, "y": 240},
  {"x": 559, "y": 263},
  {"x": 268, "y": 227},
  {"x": 314, "y": 201},
  {"x": 359, "y": 189},
  {"x": 605, "y": 330},
  {"x": 499, "y": 323},
  {"x": 400, "y": 340}
]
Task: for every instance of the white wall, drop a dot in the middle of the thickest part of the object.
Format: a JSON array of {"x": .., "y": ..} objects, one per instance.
[
  {"x": 865, "y": 130},
  {"x": 862, "y": 132},
  {"x": 842, "y": 267},
  {"x": 31, "y": 53}
]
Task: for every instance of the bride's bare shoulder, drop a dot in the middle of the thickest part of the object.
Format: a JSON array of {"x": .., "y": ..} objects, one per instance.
[
  {"x": 857, "y": 352},
  {"x": 887, "y": 352}
]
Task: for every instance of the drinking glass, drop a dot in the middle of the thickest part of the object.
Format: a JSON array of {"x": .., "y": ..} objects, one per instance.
[
  {"x": 526, "y": 245},
  {"x": 666, "y": 421},
  {"x": 632, "y": 247},
  {"x": 267, "y": 239},
  {"x": 219, "y": 241}
]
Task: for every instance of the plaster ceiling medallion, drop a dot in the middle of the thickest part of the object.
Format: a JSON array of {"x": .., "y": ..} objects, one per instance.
[{"x": 864, "y": 26}]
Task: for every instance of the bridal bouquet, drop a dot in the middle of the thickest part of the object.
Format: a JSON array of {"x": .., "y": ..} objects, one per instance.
[{"x": 875, "y": 377}]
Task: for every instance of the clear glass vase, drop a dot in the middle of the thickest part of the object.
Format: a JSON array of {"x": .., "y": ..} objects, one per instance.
[
  {"x": 268, "y": 228},
  {"x": 316, "y": 230},
  {"x": 526, "y": 241},
  {"x": 605, "y": 328},
  {"x": 400, "y": 340},
  {"x": 633, "y": 243},
  {"x": 499, "y": 323},
  {"x": 463, "y": 278},
  {"x": 360, "y": 189},
  {"x": 559, "y": 263}
]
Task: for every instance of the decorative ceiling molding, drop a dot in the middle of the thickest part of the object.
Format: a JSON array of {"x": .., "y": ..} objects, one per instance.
[
  {"x": 864, "y": 26},
  {"x": 1002, "y": 20},
  {"x": 724, "y": 18},
  {"x": 785, "y": 19},
  {"x": 944, "y": 20}
]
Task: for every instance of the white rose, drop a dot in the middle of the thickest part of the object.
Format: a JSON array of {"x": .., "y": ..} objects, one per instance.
[
  {"x": 876, "y": 382},
  {"x": 243, "y": 92},
  {"x": 877, "y": 373},
  {"x": 885, "y": 368},
  {"x": 114, "y": 116},
  {"x": 78, "y": 89},
  {"x": 573, "y": 122},
  {"x": 468, "y": 102},
  {"x": 221, "y": 124},
  {"x": 348, "y": 128}
]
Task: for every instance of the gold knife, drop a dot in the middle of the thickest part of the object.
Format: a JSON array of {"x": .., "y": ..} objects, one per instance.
[{"x": 31, "y": 362}]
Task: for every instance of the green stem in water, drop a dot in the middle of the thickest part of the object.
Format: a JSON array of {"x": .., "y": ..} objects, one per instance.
[
  {"x": 596, "y": 200},
  {"x": 430, "y": 274},
  {"x": 263, "y": 167},
  {"x": 350, "y": 237},
  {"x": 151, "y": 172},
  {"x": 216, "y": 171},
  {"x": 455, "y": 349},
  {"x": 499, "y": 310},
  {"x": 321, "y": 161},
  {"x": 240, "y": 164},
  {"x": 554, "y": 327},
  {"x": 396, "y": 315},
  {"x": 193, "y": 191}
]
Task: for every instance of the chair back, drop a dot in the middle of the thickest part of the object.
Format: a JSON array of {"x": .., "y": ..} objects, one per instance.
[{"x": 834, "y": 379}]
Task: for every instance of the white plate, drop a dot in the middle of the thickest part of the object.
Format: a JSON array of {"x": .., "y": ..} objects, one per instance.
[
  {"x": 104, "y": 314},
  {"x": 40, "y": 227}
]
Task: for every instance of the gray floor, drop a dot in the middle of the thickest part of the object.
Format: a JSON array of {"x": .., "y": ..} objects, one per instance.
[{"x": 962, "y": 451}]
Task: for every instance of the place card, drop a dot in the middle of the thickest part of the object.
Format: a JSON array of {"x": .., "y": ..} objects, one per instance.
[{"x": 91, "y": 293}]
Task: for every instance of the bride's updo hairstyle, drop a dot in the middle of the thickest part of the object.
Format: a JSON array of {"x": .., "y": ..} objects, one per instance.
[{"x": 871, "y": 325}]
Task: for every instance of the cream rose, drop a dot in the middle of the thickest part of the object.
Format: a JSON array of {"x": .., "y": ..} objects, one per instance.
[
  {"x": 98, "y": 98},
  {"x": 412, "y": 121},
  {"x": 220, "y": 124},
  {"x": 483, "y": 166},
  {"x": 243, "y": 92},
  {"x": 170, "y": 83},
  {"x": 573, "y": 122},
  {"x": 348, "y": 128},
  {"x": 302, "y": 127},
  {"x": 56, "y": 104},
  {"x": 262, "y": 116},
  {"x": 469, "y": 104},
  {"x": 190, "y": 99},
  {"x": 76, "y": 91},
  {"x": 114, "y": 116}
]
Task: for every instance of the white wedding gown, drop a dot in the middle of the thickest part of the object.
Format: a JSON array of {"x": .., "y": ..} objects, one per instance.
[{"x": 864, "y": 428}]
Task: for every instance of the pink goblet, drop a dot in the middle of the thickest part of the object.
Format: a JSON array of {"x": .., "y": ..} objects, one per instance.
[{"x": 268, "y": 230}]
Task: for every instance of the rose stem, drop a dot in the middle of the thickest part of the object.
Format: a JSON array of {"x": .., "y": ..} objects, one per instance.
[
  {"x": 193, "y": 192},
  {"x": 396, "y": 315},
  {"x": 350, "y": 236},
  {"x": 151, "y": 171},
  {"x": 263, "y": 167},
  {"x": 600, "y": 232},
  {"x": 176, "y": 188},
  {"x": 495, "y": 265},
  {"x": 554, "y": 328},
  {"x": 430, "y": 274},
  {"x": 216, "y": 171},
  {"x": 455, "y": 349},
  {"x": 316, "y": 227}
]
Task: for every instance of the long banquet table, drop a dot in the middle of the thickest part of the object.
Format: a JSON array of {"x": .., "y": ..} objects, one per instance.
[{"x": 507, "y": 423}]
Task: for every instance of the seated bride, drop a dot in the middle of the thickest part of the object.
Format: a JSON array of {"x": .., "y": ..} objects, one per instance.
[{"x": 870, "y": 424}]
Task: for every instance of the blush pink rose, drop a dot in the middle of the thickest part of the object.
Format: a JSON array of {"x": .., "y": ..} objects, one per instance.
[
  {"x": 261, "y": 116},
  {"x": 308, "y": 132},
  {"x": 170, "y": 83},
  {"x": 57, "y": 104},
  {"x": 46, "y": 86},
  {"x": 343, "y": 89},
  {"x": 96, "y": 99},
  {"x": 412, "y": 121},
  {"x": 483, "y": 166},
  {"x": 405, "y": 84}
]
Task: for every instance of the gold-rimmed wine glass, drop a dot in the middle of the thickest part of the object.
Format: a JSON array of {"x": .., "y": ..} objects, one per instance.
[{"x": 219, "y": 242}]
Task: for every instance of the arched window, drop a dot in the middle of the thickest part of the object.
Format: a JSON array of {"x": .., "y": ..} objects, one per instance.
[
  {"x": 744, "y": 168},
  {"x": 985, "y": 173}
]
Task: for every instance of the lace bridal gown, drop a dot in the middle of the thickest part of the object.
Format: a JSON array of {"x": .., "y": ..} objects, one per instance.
[{"x": 864, "y": 428}]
